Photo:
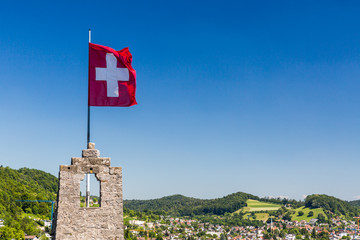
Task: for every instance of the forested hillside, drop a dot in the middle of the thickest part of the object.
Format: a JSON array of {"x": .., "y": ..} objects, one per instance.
[
  {"x": 355, "y": 203},
  {"x": 186, "y": 206},
  {"x": 24, "y": 184},
  {"x": 331, "y": 205}
]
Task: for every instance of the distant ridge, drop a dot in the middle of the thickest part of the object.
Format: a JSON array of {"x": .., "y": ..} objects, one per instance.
[
  {"x": 187, "y": 206},
  {"x": 34, "y": 184}
]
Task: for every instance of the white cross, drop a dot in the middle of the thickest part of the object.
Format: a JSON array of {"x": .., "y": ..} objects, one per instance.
[{"x": 112, "y": 74}]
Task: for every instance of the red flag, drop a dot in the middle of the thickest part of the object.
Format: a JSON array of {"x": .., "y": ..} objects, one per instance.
[{"x": 112, "y": 80}]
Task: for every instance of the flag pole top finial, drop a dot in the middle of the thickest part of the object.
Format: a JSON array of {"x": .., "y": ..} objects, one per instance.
[
  {"x": 91, "y": 145},
  {"x": 89, "y": 35}
]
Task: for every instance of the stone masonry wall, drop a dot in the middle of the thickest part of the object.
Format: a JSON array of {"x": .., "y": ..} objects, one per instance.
[{"x": 104, "y": 222}]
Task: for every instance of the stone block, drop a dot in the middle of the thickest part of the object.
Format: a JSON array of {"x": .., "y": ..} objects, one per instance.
[
  {"x": 115, "y": 170},
  {"x": 90, "y": 161},
  {"x": 86, "y": 153}
]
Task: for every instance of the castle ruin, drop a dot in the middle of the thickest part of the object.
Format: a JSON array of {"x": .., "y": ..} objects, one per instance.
[{"x": 73, "y": 222}]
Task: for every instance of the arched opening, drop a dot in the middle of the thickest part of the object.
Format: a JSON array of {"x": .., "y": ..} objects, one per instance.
[{"x": 94, "y": 191}]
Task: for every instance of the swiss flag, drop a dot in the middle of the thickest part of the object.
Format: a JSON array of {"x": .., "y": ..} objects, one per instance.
[{"x": 112, "y": 80}]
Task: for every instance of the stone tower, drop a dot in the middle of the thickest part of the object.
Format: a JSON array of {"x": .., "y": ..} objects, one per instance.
[{"x": 74, "y": 222}]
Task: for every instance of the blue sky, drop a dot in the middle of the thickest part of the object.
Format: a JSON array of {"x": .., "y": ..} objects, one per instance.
[{"x": 253, "y": 96}]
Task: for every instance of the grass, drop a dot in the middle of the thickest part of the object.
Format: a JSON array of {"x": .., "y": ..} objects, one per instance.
[
  {"x": 316, "y": 211},
  {"x": 128, "y": 218},
  {"x": 259, "y": 216},
  {"x": 294, "y": 217},
  {"x": 256, "y": 206},
  {"x": 35, "y": 216}
]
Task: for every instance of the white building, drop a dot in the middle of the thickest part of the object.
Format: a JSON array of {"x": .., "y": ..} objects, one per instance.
[
  {"x": 290, "y": 237},
  {"x": 342, "y": 234},
  {"x": 137, "y": 222}
]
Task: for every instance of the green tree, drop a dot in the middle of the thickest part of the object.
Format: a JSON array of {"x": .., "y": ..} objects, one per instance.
[
  {"x": 300, "y": 213},
  {"x": 303, "y": 231},
  {"x": 310, "y": 214},
  {"x": 287, "y": 216},
  {"x": 152, "y": 235},
  {"x": 43, "y": 237},
  {"x": 282, "y": 233},
  {"x": 28, "y": 210},
  {"x": 159, "y": 236},
  {"x": 321, "y": 217},
  {"x": 267, "y": 235},
  {"x": 323, "y": 235},
  {"x": 313, "y": 233},
  {"x": 128, "y": 235},
  {"x": 294, "y": 231},
  {"x": 8, "y": 233},
  {"x": 29, "y": 226}
]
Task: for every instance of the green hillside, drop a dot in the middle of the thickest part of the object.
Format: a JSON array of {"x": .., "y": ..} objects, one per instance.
[
  {"x": 315, "y": 206},
  {"x": 355, "y": 203},
  {"x": 255, "y": 206},
  {"x": 306, "y": 215},
  {"x": 24, "y": 184},
  {"x": 331, "y": 205},
  {"x": 260, "y": 210},
  {"x": 186, "y": 206},
  {"x": 324, "y": 205}
]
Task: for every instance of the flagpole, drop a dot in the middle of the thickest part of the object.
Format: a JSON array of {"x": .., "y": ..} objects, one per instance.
[
  {"x": 87, "y": 199},
  {"x": 88, "y": 113}
]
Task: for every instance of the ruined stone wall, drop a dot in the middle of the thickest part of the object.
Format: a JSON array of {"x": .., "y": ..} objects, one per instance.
[{"x": 104, "y": 222}]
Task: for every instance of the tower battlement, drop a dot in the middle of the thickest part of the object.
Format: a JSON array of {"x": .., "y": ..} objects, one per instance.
[{"x": 98, "y": 223}]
